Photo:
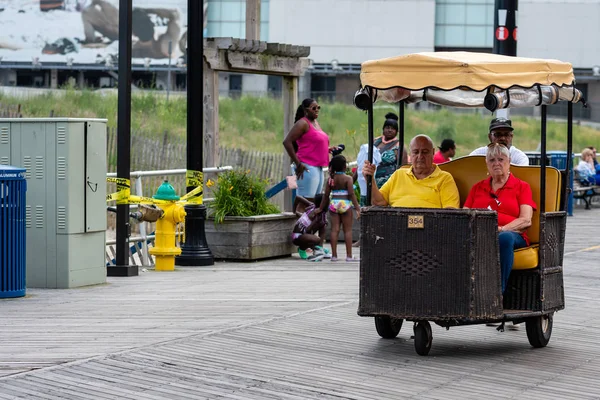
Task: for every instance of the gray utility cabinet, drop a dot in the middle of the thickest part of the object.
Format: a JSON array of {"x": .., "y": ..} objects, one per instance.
[{"x": 65, "y": 162}]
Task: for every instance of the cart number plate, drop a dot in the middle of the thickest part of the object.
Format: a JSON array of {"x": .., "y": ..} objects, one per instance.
[{"x": 415, "y": 222}]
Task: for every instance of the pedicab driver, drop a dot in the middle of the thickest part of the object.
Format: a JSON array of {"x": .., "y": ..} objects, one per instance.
[
  {"x": 502, "y": 132},
  {"x": 423, "y": 185}
]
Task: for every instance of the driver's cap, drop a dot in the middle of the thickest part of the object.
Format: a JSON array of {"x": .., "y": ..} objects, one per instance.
[{"x": 498, "y": 123}]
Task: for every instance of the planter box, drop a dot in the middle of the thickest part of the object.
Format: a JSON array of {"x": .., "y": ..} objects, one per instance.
[{"x": 251, "y": 238}]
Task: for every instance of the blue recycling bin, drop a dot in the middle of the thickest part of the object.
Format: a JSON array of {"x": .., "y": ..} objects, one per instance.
[
  {"x": 558, "y": 159},
  {"x": 535, "y": 158},
  {"x": 12, "y": 231}
]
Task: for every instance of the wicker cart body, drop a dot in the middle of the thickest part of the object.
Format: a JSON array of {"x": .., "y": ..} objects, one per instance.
[{"x": 443, "y": 266}]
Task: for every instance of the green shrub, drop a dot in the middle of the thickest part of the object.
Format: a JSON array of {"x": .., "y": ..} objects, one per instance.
[{"x": 240, "y": 194}]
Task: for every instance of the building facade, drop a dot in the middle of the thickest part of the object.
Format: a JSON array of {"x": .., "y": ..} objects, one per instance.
[
  {"x": 341, "y": 34},
  {"x": 344, "y": 33}
]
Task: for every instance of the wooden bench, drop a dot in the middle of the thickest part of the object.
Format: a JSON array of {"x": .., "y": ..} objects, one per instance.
[{"x": 585, "y": 193}]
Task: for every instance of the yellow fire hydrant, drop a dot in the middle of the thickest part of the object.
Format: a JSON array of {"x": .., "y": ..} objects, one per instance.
[{"x": 165, "y": 249}]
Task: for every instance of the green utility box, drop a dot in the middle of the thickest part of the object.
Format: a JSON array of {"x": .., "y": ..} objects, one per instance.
[{"x": 65, "y": 212}]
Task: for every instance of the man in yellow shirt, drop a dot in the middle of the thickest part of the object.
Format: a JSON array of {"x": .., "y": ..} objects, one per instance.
[{"x": 423, "y": 185}]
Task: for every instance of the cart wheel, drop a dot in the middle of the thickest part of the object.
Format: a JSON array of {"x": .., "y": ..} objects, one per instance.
[
  {"x": 423, "y": 338},
  {"x": 387, "y": 327},
  {"x": 539, "y": 330}
]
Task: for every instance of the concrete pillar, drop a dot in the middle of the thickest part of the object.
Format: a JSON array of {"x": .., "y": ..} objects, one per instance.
[
  {"x": 53, "y": 78},
  {"x": 304, "y": 83},
  {"x": 80, "y": 80}
]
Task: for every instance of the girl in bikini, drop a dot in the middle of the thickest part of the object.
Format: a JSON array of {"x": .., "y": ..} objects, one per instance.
[{"x": 339, "y": 198}]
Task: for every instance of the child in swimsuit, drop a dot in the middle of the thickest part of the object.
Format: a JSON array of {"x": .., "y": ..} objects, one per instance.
[
  {"x": 310, "y": 222},
  {"x": 339, "y": 198}
]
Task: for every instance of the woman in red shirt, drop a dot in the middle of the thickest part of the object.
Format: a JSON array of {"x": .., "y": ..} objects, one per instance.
[{"x": 511, "y": 198}]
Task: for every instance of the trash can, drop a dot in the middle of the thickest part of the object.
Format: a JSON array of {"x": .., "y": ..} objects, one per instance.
[
  {"x": 535, "y": 157},
  {"x": 558, "y": 159},
  {"x": 12, "y": 231}
]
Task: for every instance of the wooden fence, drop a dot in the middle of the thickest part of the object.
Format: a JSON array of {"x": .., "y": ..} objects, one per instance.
[
  {"x": 10, "y": 111},
  {"x": 150, "y": 151}
]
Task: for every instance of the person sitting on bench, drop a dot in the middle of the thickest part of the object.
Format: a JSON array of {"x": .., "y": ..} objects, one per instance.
[{"x": 586, "y": 169}]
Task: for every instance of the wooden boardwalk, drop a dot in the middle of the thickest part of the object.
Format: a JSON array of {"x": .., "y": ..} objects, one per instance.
[{"x": 285, "y": 329}]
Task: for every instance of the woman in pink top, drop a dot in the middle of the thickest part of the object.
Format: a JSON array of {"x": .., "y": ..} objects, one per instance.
[{"x": 308, "y": 147}]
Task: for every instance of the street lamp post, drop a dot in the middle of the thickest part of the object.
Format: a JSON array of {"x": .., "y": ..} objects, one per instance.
[
  {"x": 505, "y": 27},
  {"x": 122, "y": 267},
  {"x": 505, "y": 33},
  {"x": 195, "y": 251}
]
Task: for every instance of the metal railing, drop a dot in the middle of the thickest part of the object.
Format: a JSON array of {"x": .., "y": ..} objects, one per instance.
[{"x": 138, "y": 187}]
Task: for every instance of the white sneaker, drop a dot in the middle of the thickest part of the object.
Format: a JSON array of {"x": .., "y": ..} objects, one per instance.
[
  {"x": 327, "y": 253},
  {"x": 317, "y": 255}
]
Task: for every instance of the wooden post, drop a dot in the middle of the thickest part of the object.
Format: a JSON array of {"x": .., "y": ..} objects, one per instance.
[
  {"x": 290, "y": 104},
  {"x": 211, "y": 117},
  {"x": 252, "y": 19}
]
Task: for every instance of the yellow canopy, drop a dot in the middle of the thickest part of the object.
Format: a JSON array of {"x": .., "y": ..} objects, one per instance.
[{"x": 451, "y": 70}]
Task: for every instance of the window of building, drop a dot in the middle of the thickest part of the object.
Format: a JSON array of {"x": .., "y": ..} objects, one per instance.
[
  {"x": 275, "y": 85},
  {"x": 235, "y": 85},
  {"x": 323, "y": 87},
  {"x": 464, "y": 24},
  {"x": 227, "y": 18}
]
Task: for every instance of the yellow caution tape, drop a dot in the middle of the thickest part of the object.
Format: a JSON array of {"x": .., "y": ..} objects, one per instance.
[
  {"x": 193, "y": 178},
  {"x": 120, "y": 181},
  {"x": 146, "y": 200},
  {"x": 123, "y": 193},
  {"x": 123, "y": 190},
  {"x": 194, "y": 196}
]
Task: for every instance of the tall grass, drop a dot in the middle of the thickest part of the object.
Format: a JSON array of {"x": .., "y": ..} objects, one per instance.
[{"x": 252, "y": 123}]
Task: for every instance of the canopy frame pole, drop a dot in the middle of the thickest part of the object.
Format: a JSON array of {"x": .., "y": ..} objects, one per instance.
[
  {"x": 370, "y": 154},
  {"x": 567, "y": 195},
  {"x": 542, "y": 204},
  {"x": 401, "y": 107}
]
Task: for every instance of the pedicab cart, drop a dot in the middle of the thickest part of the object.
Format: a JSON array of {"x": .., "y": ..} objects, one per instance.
[{"x": 443, "y": 266}]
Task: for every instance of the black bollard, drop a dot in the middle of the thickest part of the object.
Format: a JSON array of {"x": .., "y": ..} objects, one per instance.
[{"x": 195, "y": 251}]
